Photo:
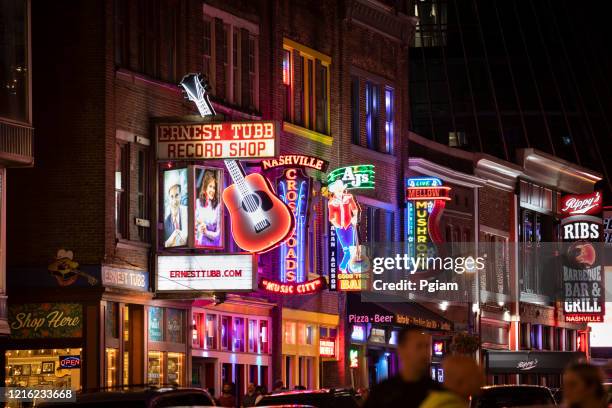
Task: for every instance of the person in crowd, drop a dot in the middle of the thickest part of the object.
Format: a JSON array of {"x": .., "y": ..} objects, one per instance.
[
  {"x": 278, "y": 386},
  {"x": 583, "y": 387},
  {"x": 208, "y": 213},
  {"x": 250, "y": 397},
  {"x": 411, "y": 386},
  {"x": 227, "y": 398},
  {"x": 462, "y": 379},
  {"x": 299, "y": 388},
  {"x": 261, "y": 392}
]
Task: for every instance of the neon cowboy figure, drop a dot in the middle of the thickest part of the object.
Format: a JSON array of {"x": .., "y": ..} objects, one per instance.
[{"x": 343, "y": 215}]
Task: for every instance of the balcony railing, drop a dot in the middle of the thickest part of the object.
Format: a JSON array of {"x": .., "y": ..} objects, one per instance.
[{"x": 16, "y": 143}]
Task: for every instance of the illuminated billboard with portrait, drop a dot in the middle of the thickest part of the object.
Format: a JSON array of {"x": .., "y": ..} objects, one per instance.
[
  {"x": 208, "y": 208},
  {"x": 176, "y": 219}
]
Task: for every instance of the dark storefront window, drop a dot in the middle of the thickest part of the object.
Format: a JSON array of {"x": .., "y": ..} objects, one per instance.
[
  {"x": 14, "y": 72},
  {"x": 536, "y": 229},
  {"x": 355, "y": 109},
  {"x": 122, "y": 163},
  {"x": 175, "y": 325},
  {"x": 142, "y": 185}
]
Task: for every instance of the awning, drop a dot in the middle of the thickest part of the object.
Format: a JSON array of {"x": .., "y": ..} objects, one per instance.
[
  {"x": 398, "y": 313},
  {"x": 530, "y": 362}
]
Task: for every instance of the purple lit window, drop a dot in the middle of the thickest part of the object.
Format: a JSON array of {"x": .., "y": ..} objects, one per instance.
[
  {"x": 238, "y": 334},
  {"x": 225, "y": 332},
  {"x": 252, "y": 336}
]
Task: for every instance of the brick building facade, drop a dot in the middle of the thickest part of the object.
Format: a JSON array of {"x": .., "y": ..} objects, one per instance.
[{"x": 115, "y": 69}]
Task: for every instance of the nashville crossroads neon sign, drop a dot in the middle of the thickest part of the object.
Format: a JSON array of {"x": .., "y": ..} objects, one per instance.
[{"x": 293, "y": 190}]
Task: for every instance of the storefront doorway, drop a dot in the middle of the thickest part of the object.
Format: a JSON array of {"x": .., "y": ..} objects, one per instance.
[{"x": 203, "y": 372}]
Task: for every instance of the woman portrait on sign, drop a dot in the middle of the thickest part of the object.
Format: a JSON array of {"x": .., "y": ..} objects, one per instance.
[{"x": 208, "y": 216}]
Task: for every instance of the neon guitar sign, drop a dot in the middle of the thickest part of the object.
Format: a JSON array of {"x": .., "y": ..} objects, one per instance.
[{"x": 260, "y": 220}]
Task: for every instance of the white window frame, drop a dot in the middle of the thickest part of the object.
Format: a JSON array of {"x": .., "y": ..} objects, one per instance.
[{"x": 233, "y": 24}]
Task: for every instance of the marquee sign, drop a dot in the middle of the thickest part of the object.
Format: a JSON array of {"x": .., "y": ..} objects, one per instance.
[
  {"x": 295, "y": 160},
  {"x": 209, "y": 140},
  {"x": 358, "y": 176},
  {"x": 583, "y": 274},
  {"x": 305, "y": 288},
  {"x": 196, "y": 273},
  {"x": 426, "y": 198}
]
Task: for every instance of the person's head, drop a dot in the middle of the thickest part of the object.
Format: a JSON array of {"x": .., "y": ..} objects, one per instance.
[
  {"x": 251, "y": 388},
  {"x": 227, "y": 388},
  {"x": 414, "y": 352},
  {"x": 583, "y": 385},
  {"x": 278, "y": 384},
  {"x": 337, "y": 188},
  {"x": 174, "y": 193},
  {"x": 462, "y": 376},
  {"x": 208, "y": 192}
]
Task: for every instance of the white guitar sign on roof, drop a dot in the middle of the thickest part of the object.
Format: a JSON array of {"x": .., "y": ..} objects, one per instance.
[{"x": 196, "y": 90}]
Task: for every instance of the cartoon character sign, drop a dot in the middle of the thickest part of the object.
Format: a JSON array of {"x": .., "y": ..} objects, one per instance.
[
  {"x": 348, "y": 259},
  {"x": 343, "y": 215}
]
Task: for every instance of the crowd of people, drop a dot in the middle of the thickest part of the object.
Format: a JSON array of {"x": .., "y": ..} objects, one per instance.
[
  {"x": 583, "y": 385},
  {"x": 413, "y": 387}
]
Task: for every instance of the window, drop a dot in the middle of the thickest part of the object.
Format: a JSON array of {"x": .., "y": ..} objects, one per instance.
[
  {"x": 497, "y": 267},
  {"x": 121, "y": 189},
  {"x": 14, "y": 72},
  {"x": 155, "y": 47},
  {"x": 372, "y": 119},
  {"x": 309, "y": 334},
  {"x": 536, "y": 228},
  {"x": 373, "y": 224},
  {"x": 238, "y": 334},
  {"x": 231, "y": 61},
  {"x": 252, "y": 333},
  {"x": 389, "y": 120},
  {"x": 290, "y": 335},
  {"x": 207, "y": 50},
  {"x": 143, "y": 202},
  {"x": 122, "y": 45},
  {"x": 307, "y": 86},
  {"x": 355, "y": 128},
  {"x": 287, "y": 81},
  {"x": 263, "y": 336},
  {"x": 211, "y": 331},
  {"x": 225, "y": 332},
  {"x": 431, "y": 25}
]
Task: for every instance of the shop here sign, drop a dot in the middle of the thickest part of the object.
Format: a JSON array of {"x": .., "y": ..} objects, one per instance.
[{"x": 46, "y": 320}]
